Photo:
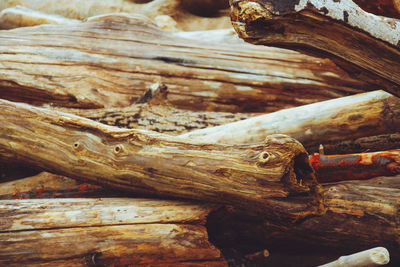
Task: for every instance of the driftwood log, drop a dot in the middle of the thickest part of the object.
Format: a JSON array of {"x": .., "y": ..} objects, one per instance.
[
  {"x": 359, "y": 215},
  {"x": 106, "y": 232},
  {"x": 338, "y": 28},
  {"x": 67, "y": 67},
  {"x": 186, "y": 15},
  {"x": 261, "y": 178},
  {"x": 332, "y": 121}
]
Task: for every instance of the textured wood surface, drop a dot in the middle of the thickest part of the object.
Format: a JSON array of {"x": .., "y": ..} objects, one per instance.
[
  {"x": 111, "y": 232},
  {"x": 259, "y": 177},
  {"x": 338, "y": 28},
  {"x": 63, "y": 65},
  {"x": 186, "y": 15},
  {"x": 331, "y": 121},
  {"x": 358, "y": 215}
]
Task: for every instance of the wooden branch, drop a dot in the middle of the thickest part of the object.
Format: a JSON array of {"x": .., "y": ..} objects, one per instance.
[
  {"x": 335, "y": 120},
  {"x": 361, "y": 166},
  {"x": 339, "y": 28},
  {"x": 259, "y": 178},
  {"x": 369, "y": 258},
  {"x": 116, "y": 232},
  {"x": 359, "y": 215},
  {"x": 67, "y": 67},
  {"x": 22, "y": 17}
]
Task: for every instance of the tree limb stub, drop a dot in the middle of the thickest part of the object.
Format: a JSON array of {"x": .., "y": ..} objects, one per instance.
[
  {"x": 261, "y": 178},
  {"x": 340, "y": 28}
]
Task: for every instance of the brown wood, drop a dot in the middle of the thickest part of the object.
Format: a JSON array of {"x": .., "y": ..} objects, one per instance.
[
  {"x": 386, "y": 8},
  {"x": 339, "y": 28},
  {"x": 332, "y": 122},
  {"x": 109, "y": 61},
  {"x": 43, "y": 179},
  {"x": 116, "y": 232},
  {"x": 162, "y": 118},
  {"x": 274, "y": 176},
  {"x": 358, "y": 215}
]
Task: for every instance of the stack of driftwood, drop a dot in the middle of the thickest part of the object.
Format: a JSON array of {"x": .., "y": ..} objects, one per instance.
[{"x": 147, "y": 133}]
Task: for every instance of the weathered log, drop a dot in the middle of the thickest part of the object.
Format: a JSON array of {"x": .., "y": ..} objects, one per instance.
[
  {"x": 361, "y": 166},
  {"x": 43, "y": 179},
  {"x": 369, "y": 258},
  {"x": 261, "y": 178},
  {"x": 359, "y": 215},
  {"x": 67, "y": 67},
  {"x": 22, "y": 17},
  {"x": 116, "y": 232},
  {"x": 386, "y": 8},
  {"x": 188, "y": 14},
  {"x": 339, "y": 28},
  {"x": 335, "y": 120}
]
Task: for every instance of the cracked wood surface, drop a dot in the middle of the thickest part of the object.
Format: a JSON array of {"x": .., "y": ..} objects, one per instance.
[
  {"x": 358, "y": 215},
  {"x": 63, "y": 65},
  {"x": 117, "y": 232},
  {"x": 271, "y": 177},
  {"x": 337, "y": 28}
]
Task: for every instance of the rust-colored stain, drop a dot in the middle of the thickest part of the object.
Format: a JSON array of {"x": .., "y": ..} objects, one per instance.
[
  {"x": 81, "y": 190},
  {"x": 333, "y": 168}
]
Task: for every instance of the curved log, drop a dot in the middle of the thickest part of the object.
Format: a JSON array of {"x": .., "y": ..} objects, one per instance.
[{"x": 339, "y": 28}]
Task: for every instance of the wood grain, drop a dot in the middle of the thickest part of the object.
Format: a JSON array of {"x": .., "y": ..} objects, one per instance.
[
  {"x": 261, "y": 178},
  {"x": 331, "y": 121},
  {"x": 109, "y": 61},
  {"x": 112, "y": 232},
  {"x": 337, "y": 28}
]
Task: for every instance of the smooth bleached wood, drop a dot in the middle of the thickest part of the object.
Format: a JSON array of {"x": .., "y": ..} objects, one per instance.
[
  {"x": 369, "y": 258},
  {"x": 274, "y": 176},
  {"x": 331, "y": 121}
]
